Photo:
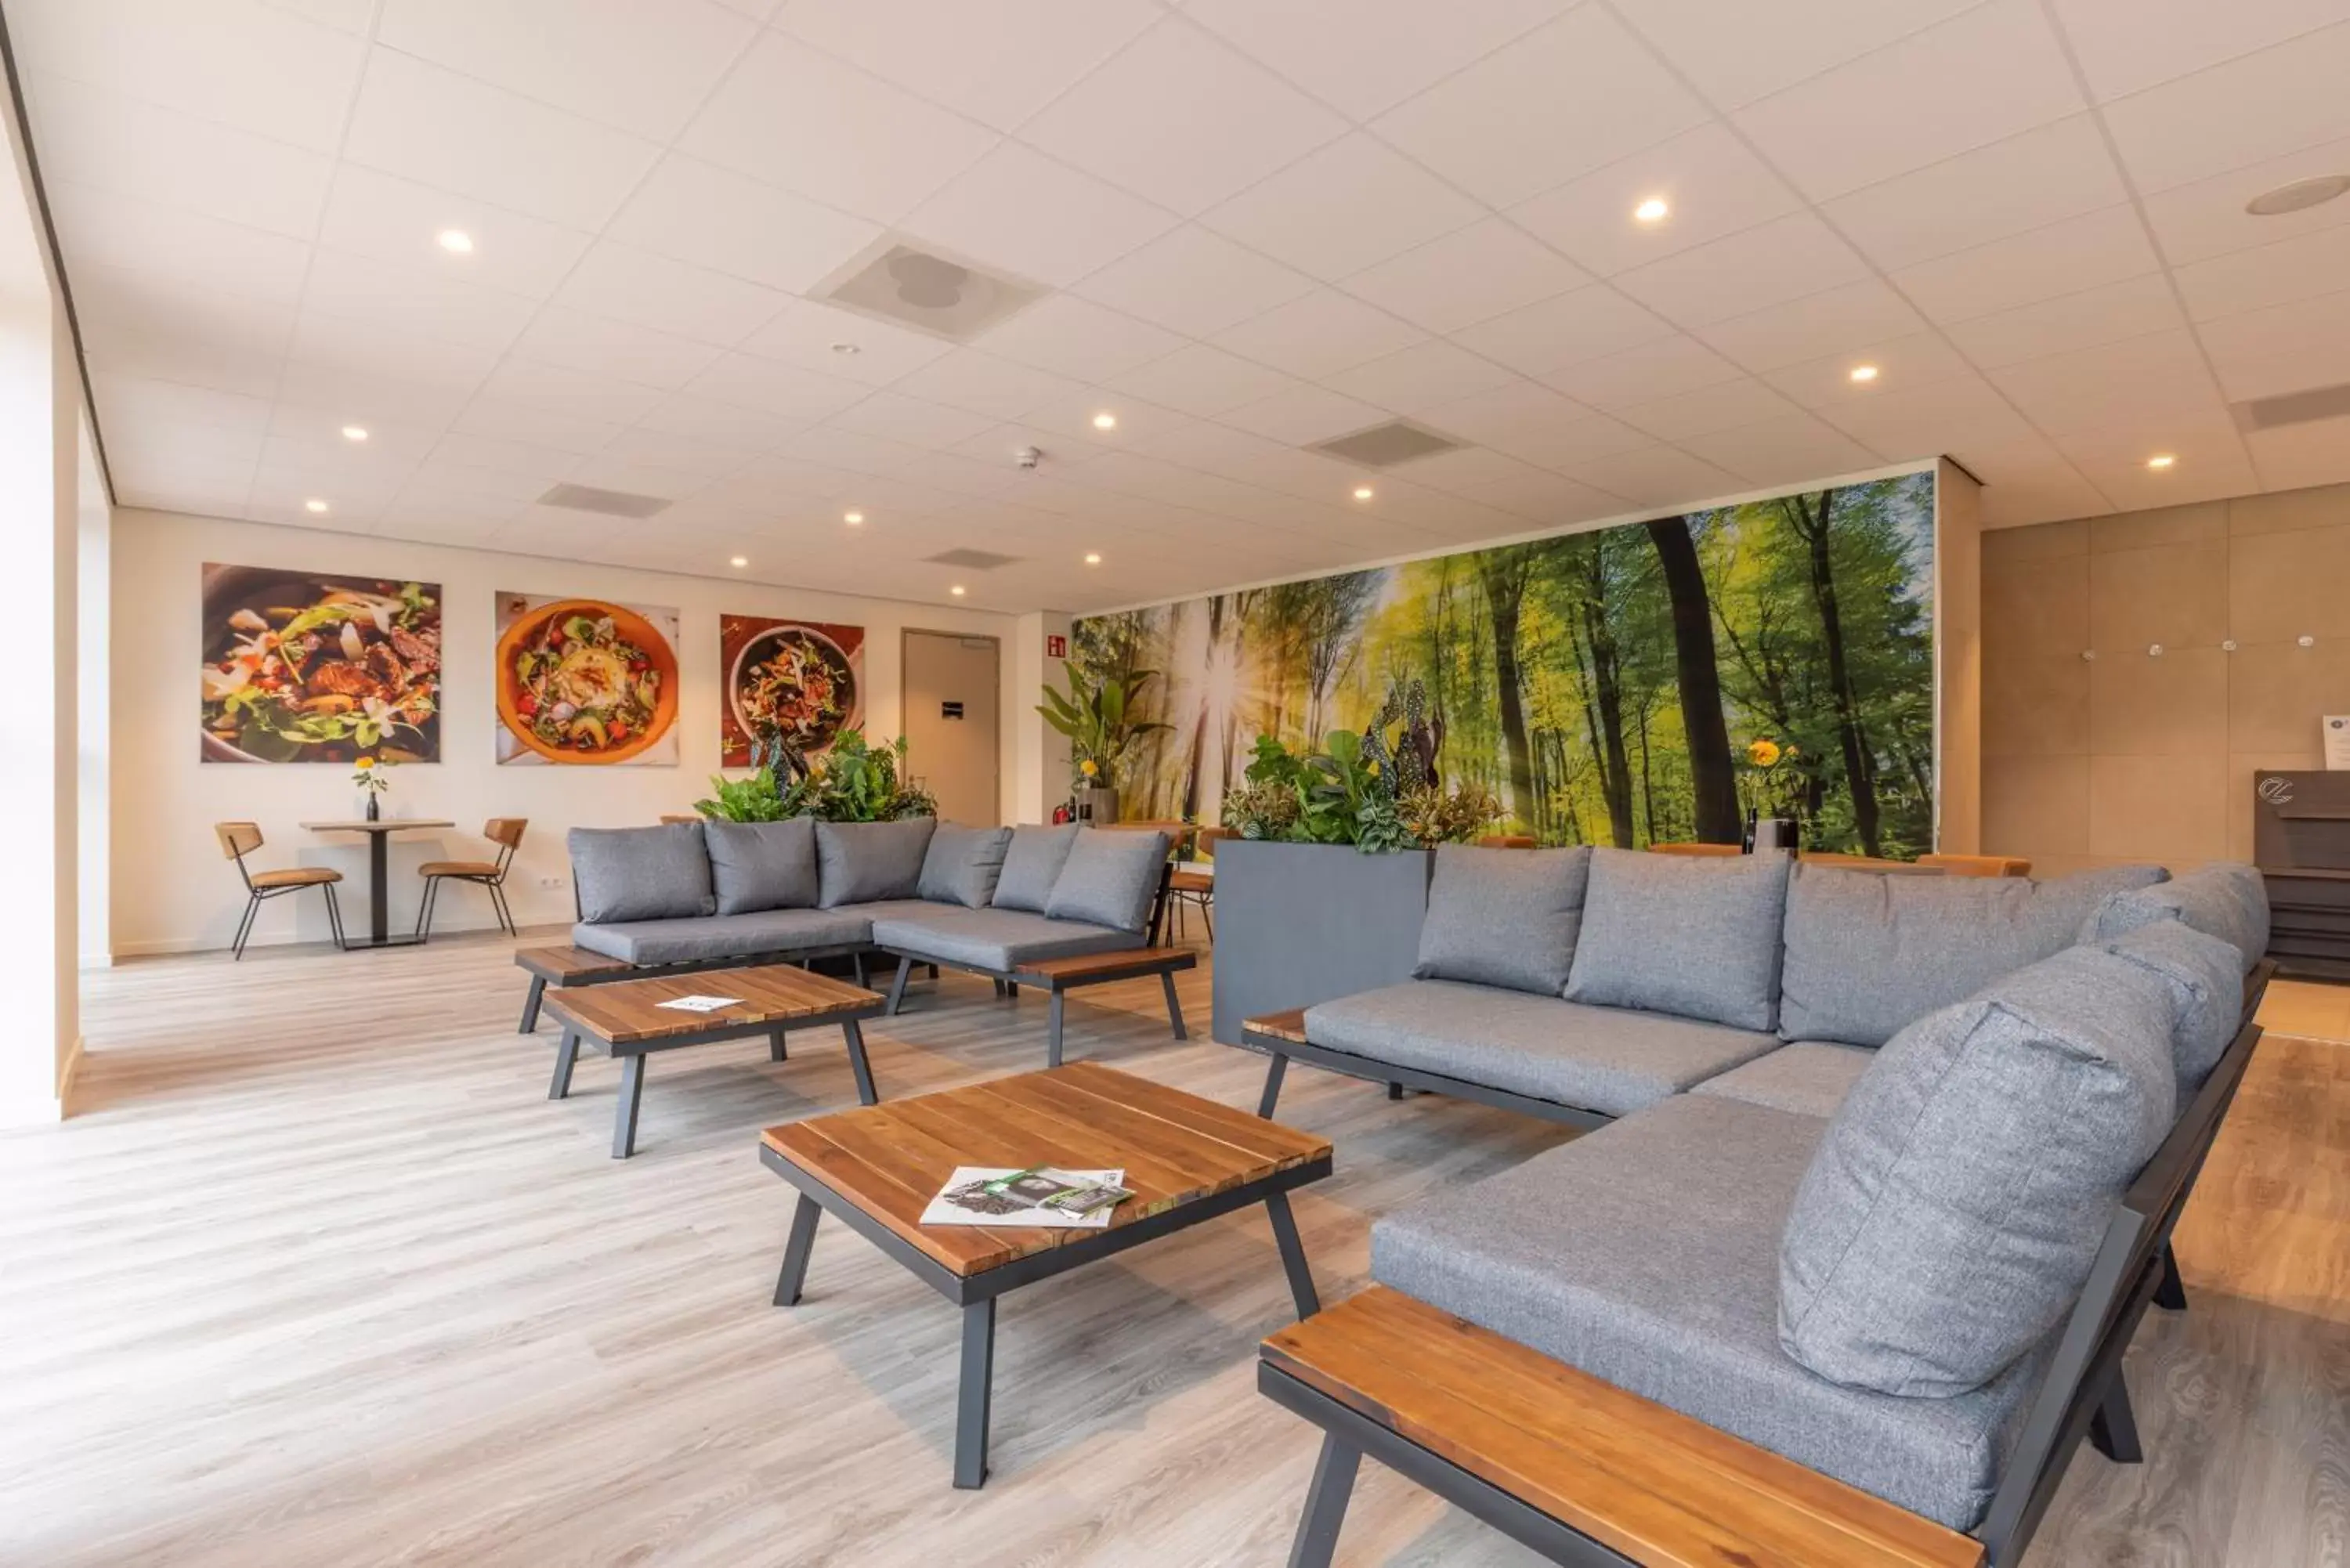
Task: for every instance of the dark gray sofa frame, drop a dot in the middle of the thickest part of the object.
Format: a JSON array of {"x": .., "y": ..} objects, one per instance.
[{"x": 2083, "y": 1394}]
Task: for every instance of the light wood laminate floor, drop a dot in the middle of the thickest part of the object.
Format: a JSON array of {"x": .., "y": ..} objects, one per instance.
[{"x": 320, "y": 1276}]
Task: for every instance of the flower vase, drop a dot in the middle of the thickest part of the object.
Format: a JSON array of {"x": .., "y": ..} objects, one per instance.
[
  {"x": 1097, "y": 803},
  {"x": 374, "y": 807}
]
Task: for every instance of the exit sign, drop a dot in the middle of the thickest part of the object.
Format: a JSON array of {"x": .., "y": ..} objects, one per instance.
[{"x": 1056, "y": 647}]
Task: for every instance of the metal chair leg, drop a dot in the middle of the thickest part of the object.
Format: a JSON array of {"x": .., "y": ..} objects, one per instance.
[
  {"x": 1272, "y": 1075},
  {"x": 898, "y": 987},
  {"x": 245, "y": 926},
  {"x": 424, "y": 907},
  {"x": 2171, "y": 1295},
  {"x": 499, "y": 907},
  {"x": 335, "y": 919},
  {"x": 2114, "y": 1427}
]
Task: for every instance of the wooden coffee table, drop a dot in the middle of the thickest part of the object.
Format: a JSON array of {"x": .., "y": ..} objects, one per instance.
[
  {"x": 624, "y": 1019},
  {"x": 1188, "y": 1160}
]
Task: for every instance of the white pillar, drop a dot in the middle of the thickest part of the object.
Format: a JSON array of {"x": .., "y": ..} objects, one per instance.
[
  {"x": 1040, "y": 770},
  {"x": 95, "y": 565}
]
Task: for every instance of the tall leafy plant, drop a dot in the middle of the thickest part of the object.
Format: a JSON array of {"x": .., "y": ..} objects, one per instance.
[
  {"x": 855, "y": 782},
  {"x": 1346, "y": 792},
  {"x": 1099, "y": 720}
]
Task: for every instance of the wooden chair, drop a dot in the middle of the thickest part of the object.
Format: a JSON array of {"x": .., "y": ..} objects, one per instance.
[
  {"x": 506, "y": 832},
  {"x": 1507, "y": 841},
  {"x": 239, "y": 839},
  {"x": 1695, "y": 849},
  {"x": 1977, "y": 865},
  {"x": 1196, "y": 888}
]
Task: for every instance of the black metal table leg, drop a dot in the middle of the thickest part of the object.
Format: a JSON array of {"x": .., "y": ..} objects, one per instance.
[
  {"x": 1053, "y": 1032},
  {"x": 972, "y": 1397},
  {"x": 1271, "y": 1095},
  {"x": 1292, "y": 1256},
  {"x": 530, "y": 1005},
  {"x": 624, "y": 1115},
  {"x": 565, "y": 1054},
  {"x": 775, "y": 1052},
  {"x": 378, "y": 887},
  {"x": 1325, "y": 1504},
  {"x": 795, "y": 1251},
  {"x": 1174, "y": 1008},
  {"x": 898, "y": 987},
  {"x": 854, "y": 1033}
]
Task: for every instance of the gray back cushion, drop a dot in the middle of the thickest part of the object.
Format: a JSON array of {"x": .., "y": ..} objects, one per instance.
[
  {"x": 760, "y": 866},
  {"x": 641, "y": 873},
  {"x": 1951, "y": 1212},
  {"x": 2206, "y": 987},
  {"x": 1869, "y": 951},
  {"x": 1031, "y": 863},
  {"x": 2227, "y": 900},
  {"x": 1109, "y": 878},
  {"x": 865, "y": 862},
  {"x": 1696, "y": 936},
  {"x": 962, "y": 865},
  {"x": 1503, "y": 917}
]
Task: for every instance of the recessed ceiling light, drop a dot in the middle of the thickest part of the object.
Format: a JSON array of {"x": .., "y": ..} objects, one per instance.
[
  {"x": 355, "y": 432},
  {"x": 1651, "y": 210},
  {"x": 2300, "y": 194},
  {"x": 456, "y": 241},
  {"x": 852, "y": 518},
  {"x": 2162, "y": 459},
  {"x": 314, "y": 506},
  {"x": 1363, "y": 493},
  {"x": 956, "y": 590},
  {"x": 1093, "y": 558},
  {"x": 1105, "y": 421},
  {"x": 739, "y": 561},
  {"x": 847, "y": 348},
  {"x": 1864, "y": 373}
]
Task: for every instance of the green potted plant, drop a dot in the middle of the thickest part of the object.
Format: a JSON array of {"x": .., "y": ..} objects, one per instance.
[
  {"x": 855, "y": 781},
  {"x": 1097, "y": 719}
]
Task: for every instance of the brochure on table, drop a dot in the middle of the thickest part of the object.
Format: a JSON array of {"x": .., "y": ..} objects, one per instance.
[{"x": 1010, "y": 1196}]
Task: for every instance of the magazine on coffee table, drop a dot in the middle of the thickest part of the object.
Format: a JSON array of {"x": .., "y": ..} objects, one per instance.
[{"x": 1018, "y": 1196}]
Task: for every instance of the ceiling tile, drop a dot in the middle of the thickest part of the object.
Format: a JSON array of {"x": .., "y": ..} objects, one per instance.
[
  {"x": 1202, "y": 381},
  {"x": 2290, "y": 269},
  {"x": 1794, "y": 449},
  {"x": 660, "y": 449},
  {"x": 775, "y": 387},
  {"x": 1303, "y": 415},
  {"x": 97, "y": 229},
  {"x": 998, "y": 61},
  {"x": 636, "y": 286},
  {"x": 2114, "y": 383},
  {"x": 1465, "y": 277},
  {"x": 597, "y": 395},
  {"x": 1737, "y": 54},
  {"x": 1833, "y": 321},
  {"x": 2259, "y": 106},
  {"x": 932, "y": 426},
  {"x": 1712, "y": 184},
  {"x": 1020, "y": 211},
  {"x": 2300, "y": 455},
  {"x": 695, "y": 211},
  {"x": 134, "y": 324},
  {"x": 1534, "y": 424},
  {"x": 807, "y": 332},
  {"x": 2063, "y": 258},
  {"x": 1913, "y": 360},
  {"x": 803, "y": 120},
  {"x": 379, "y": 371},
  {"x": 641, "y": 64},
  {"x": 1342, "y": 208},
  {"x": 967, "y": 379},
  {"x": 1585, "y": 324},
  {"x": 1782, "y": 260},
  {"x": 1641, "y": 375},
  {"x": 2106, "y": 313},
  {"x": 1181, "y": 120},
  {"x": 1420, "y": 376},
  {"x": 1318, "y": 334},
  {"x": 2123, "y": 48},
  {"x": 400, "y": 220},
  {"x": 701, "y": 419},
  {"x": 235, "y": 63},
  {"x": 157, "y": 404},
  {"x": 557, "y": 440},
  {"x": 2212, "y": 462},
  {"x": 2285, "y": 349},
  {"x": 1721, "y": 405},
  {"x": 1658, "y": 476},
  {"x": 438, "y": 127},
  {"x": 1195, "y": 283},
  {"x": 2056, "y": 171},
  {"x": 1559, "y": 102},
  {"x": 1951, "y": 414},
  {"x": 1078, "y": 338},
  {"x": 1366, "y": 59},
  {"x": 1070, "y": 417},
  {"x": 2207, "y": 217},
  {"x": 429, "y": 301},
  {"x": 561, "y": 335}
]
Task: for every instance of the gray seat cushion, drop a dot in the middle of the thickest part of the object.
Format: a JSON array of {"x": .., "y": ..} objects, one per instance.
[
  {"x": 1605, "y": 1059},
  {"x": 1031, "y": 865},
  {"x": 1646, "y": 1255},
  {"x": 641, "y": 873},
  {"x": 860, "y": 862},
  {"x": 760, "y": 866},
  {"x": 1810, "y": 1077},
  {"x": 723, "y": 936},
  {"x": 1950, "y": 1219},
  {"x": 962, "y": 864},
  {"x": 2227, "y": 900},
  {"x": 1695, "y": 936},
  {"x": 998, "y": 939},
  {"x": 1110, "y": 879},
  {"x": 2206, "y": 988},
  {"x": 1868, "y": 953},
  {"x": 1503, "y": 917}
]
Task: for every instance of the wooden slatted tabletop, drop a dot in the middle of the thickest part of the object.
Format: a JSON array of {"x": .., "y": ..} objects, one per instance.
[
  {"x": 1660, "y": 1488},
  {"x": 628, "y": 1012},
  {"x": 891, "y": 1160}
]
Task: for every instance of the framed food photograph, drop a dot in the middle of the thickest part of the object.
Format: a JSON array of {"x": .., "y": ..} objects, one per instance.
[
  {"x": 585, "y": 681},
  {"x": 802, "y": 682},
  {"x": 319, "y": 667}
]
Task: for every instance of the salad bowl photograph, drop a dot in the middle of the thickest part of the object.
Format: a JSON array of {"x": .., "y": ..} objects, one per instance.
[
  {"x": 797, "y": 680},
  {"x": 316, "y": 666},
  {"x": 585, "y": 681}
]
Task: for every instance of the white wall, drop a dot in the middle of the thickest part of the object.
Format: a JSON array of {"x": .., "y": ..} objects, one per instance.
[
  {"x": 1041, "y": 761},
  {"x": 93, "y": 568},
  {"x": 173, "y": 891}
]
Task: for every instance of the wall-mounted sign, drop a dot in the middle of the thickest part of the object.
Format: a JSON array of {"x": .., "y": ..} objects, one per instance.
[
  {"x": 950, "y": 709},
  {"x": 1056, "y": 647}
]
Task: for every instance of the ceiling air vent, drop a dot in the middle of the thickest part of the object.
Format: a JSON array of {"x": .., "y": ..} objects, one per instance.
[
  {"x": 2294, "y": 408},
  {"x": 932, "y": 294},
  {"x": 977, "y": 560},
  {"x": 611, "y": 502},
  {"x": 1384, "y": 446}
]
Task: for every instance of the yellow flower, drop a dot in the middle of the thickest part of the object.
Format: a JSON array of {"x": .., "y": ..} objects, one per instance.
[
  {"x": 1089, "y": 767},
  {"x": 1375, "y": 770},
  {"x": 1764, "y": 753},
  {"x": 364, "y": 763}
]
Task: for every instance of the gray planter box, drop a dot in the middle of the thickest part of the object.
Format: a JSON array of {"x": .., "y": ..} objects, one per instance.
[{"x": 1302, "y": 923}]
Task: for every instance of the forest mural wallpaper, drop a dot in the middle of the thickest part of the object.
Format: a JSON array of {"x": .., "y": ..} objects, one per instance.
[{"x": 1646, "y": 683}]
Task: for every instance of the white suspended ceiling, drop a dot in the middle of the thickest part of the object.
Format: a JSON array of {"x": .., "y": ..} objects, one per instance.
[{"x": 1257, "y": 224}]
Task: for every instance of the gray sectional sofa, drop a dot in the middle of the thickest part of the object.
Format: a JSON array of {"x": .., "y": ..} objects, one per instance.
[
  {"x": 987, "y": 899},
  {"x": 1883, "y": 1168}
]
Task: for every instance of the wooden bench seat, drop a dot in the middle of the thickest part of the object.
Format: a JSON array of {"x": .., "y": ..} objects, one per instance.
[
  {"x": 1062, "y": 975},
  {"x": 1559, "y": 1459}
]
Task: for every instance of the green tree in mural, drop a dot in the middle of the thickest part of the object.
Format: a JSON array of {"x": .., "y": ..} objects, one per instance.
[
  {"x": 1713, "y": 783},
  {"x": 1504, "y": 574}
]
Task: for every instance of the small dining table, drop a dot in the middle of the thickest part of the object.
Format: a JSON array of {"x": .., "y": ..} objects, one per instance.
[{"x": 378, "y": 835}]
